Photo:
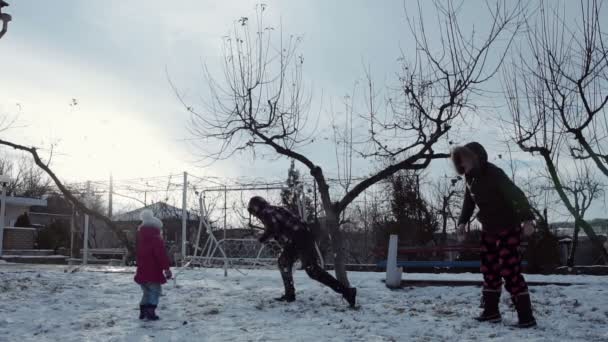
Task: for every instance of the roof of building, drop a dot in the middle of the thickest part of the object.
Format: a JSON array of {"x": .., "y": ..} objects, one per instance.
[
  {"x": 161, "y": 210},
  {"x": 25, "y": 201}
]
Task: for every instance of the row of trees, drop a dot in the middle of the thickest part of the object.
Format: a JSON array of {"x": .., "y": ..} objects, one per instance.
[{"x": 26, "y": 179}]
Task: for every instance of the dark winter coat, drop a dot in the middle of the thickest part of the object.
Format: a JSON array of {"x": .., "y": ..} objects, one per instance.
[
  {"x": 502, "y": 205},
  {"x": 281, "y": 224},
  {"x": 152, "y": 257}
]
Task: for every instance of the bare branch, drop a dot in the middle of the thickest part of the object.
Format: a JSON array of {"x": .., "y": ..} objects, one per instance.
[{"x": 68, "y": 194}]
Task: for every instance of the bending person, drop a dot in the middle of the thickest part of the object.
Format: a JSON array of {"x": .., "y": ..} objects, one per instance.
[{"x": 297, "y": 241}]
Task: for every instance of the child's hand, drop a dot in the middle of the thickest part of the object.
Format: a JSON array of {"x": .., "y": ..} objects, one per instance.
[
  {"x": 168, "y": 274},
  {"x": 528, "y": 228}
]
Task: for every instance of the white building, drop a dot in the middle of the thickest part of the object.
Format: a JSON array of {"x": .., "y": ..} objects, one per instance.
[{"x": 16, "y": 206}]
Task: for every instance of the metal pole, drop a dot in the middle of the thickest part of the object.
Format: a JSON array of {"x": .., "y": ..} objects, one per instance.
[
  {"x": 184, "y": 215},
  {"x": 72, "y": 228},
  {"x": 225, "y": 210},
  {"x": 85, "y": 243},
  {"x": 2, "y": 217},
  {"x": 110, "y": 196}
]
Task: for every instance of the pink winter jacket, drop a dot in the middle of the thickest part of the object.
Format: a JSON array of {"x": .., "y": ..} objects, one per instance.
[{"x": 152, "y": 257}]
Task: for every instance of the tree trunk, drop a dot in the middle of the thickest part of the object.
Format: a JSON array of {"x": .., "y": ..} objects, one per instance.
[
  {"x": 562, "y": 194},
  {"x": 337, "y": 245},
  {"x": 570, "y": 262},
  {"x": 444, "y": 213},
  {"x": 332, "y": 222}
]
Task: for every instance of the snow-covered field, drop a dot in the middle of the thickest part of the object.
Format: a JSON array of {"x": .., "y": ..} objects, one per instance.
[{"x": 43, "y": 303}]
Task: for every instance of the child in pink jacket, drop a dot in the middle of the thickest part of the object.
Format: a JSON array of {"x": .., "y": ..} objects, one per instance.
[{"x": 152, "y": 264}]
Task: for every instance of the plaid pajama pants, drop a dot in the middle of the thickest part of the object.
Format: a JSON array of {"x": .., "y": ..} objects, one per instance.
[{"x": 500, "y": 259}]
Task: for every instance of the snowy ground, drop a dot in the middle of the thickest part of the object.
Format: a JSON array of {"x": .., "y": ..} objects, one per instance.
[{"x": 43, "y": 303}]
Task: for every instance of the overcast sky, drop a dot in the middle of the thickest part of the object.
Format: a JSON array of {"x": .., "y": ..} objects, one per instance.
[{"x": 113, "y": 58}]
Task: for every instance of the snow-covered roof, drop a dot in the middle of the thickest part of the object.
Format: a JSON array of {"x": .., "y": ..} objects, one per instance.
[
  {"x": 161, "y": 210},
  {"x": 26, "y": 201}
]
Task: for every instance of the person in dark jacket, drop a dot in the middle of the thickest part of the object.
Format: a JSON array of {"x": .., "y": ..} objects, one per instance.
[
  {"x": 153, "y": 267},
  {"x": 503, "y": 211},
  {"x": 297, "y": 242}
]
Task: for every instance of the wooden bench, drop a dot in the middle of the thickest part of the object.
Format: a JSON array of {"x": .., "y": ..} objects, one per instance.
[{"x": 414, "y": 252}]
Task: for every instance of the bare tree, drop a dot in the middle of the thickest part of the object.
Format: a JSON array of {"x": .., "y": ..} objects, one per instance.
[
  {"x": 570, "y": 60},
  {"x": 577, "y": 66},
  {"x": 261, "y": 101},
  {"x": 32, "y": 182},
  {"x": 548, "y": 88},
  {"x": 447, "y": 199},
  {"x": 583, "y": 189},
  {"x": 72, "y": 198},
  {"x": 5, "y": 18},
  {"x": 26, "y": 179}
]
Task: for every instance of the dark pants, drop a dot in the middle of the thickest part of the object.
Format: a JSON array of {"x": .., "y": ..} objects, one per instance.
[
  {"x": 500, "y": 259},
  {"x": 308, "y": 255}
]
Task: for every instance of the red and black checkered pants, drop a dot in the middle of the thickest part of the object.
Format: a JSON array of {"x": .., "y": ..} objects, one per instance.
[{"x": 500, "y": 259}]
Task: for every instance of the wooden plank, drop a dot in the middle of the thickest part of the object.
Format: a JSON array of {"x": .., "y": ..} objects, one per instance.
[{"x": 453, "y": 283}]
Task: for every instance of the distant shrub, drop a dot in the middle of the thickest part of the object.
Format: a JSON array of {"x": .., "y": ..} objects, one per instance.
[
  {"x": 542, "y": 253},
  {"x": 54, "y": 236}
]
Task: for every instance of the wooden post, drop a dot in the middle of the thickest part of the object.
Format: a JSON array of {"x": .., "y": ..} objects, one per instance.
[{"x": 393, "y": 274}]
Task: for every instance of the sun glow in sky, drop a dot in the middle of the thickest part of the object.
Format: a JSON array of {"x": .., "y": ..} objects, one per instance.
[{"x": 90, "y": 78}]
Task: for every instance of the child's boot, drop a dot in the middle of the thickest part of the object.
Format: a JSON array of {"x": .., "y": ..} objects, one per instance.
[
  {"x": 490, "y": 312},
  {"x": 142, "y": 311},
  {"x": 151, "y": 313}
]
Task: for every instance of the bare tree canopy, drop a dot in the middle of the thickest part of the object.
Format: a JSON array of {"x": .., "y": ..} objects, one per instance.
[
  {"x": 260, "y": 100},
  {"x": 26, "y": 179},
  {"x": 584, "y": 189}
]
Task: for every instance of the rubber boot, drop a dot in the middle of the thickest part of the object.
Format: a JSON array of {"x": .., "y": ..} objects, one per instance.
[
  {"x": 142, "y": 311},
  {"x": 490, "y": 307},
  {"x": 523, "y": 305},
  {"x": 151, "y": 313}
]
